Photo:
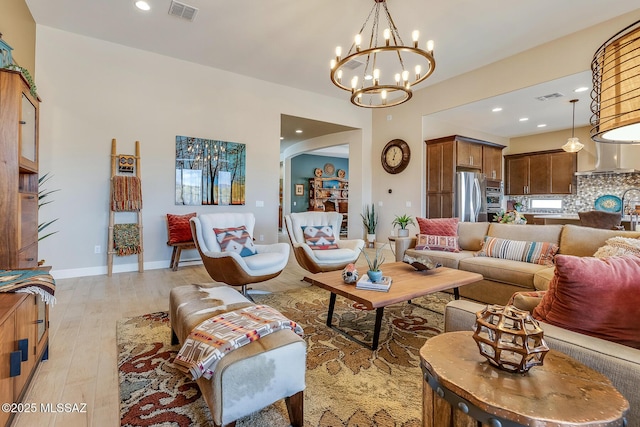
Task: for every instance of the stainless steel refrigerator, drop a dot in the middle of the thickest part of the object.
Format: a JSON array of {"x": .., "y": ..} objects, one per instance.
[{"x": 470, "y": 200}]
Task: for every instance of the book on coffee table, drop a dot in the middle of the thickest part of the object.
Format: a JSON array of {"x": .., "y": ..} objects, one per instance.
[{"x": 366, "y": 284}]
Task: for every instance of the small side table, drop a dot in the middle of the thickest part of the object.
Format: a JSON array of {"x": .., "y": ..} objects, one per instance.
[
  {"x": 399, "y": 245},
  {"x": 462, "y": 389}
]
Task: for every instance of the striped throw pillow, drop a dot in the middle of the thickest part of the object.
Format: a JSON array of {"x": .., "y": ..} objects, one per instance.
[
  {"x": 519, "y": 250},
  {"x": 235, "y": 239}
]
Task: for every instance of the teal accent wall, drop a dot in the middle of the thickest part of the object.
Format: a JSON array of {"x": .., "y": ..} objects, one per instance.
[{"x": 302, "y": 168}]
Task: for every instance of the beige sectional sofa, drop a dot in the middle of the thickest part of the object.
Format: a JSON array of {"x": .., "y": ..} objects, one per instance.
[{"x": 502, "y": 278}]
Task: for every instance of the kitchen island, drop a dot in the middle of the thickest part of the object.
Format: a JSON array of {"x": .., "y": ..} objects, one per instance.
[{"x": 568, "y": 218}]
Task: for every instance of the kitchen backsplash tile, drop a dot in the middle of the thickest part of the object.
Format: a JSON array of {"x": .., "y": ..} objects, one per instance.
[{"x": 589, "y": 188}]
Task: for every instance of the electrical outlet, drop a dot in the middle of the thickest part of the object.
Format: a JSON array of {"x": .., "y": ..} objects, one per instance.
[
  {"x": 408, "y": 204},
  {"x": 262, "y": 237},
  {"x": 96, "y": 249}
]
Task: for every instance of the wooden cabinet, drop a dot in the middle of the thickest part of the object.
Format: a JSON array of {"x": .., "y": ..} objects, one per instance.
[
  {"x": 469, "y": 154},
  {"x": 445, "y": 156},
  {"x": 19, "y": 112},
  {"x": 330, "y": 194},
  {"x": 546, "y": 172},
  {"x": 492, "y": 162},
  {"x": 24, "y": 338}
]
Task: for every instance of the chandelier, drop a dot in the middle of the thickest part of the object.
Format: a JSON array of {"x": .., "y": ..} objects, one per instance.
[
  {"x": 615, "y": 99},
  {"x": 573, "y": 145},
  {"x": 379, "y": 75}
]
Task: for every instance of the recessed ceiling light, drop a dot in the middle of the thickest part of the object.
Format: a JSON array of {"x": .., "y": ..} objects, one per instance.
[
  {"x": 298, "y": 131},
  {"x": 542, "y": 125},
  {"x": 582, "y": 89},
  {"x": 495, "y": 110},
  {"x": 524, "y": 119},
  {"x": 142, "y": 5}
]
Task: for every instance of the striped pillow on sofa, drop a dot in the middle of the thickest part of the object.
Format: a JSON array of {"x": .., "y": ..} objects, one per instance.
[{"x": 519, "y": 250}]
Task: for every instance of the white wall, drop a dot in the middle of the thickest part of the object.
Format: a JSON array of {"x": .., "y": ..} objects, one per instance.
[{"x": 94, "y": 91}]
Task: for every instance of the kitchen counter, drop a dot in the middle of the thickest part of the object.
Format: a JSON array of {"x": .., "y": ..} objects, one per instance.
[{"x": 566, "y": 218}]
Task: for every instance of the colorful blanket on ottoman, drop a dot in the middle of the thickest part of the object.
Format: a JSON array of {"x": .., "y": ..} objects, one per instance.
[
  {"x": 218, "y": 335},
  {"x": 29, "y": 281}
]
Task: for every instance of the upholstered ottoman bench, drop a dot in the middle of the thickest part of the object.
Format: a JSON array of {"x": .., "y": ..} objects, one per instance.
[{"x": 248, "y": 378}]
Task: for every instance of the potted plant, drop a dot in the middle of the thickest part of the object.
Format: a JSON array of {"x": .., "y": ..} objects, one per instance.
[
  {"x": 374, "y": 272},
  {"x": 370, "y": 222},
  {"x": 403, "y": 221}
]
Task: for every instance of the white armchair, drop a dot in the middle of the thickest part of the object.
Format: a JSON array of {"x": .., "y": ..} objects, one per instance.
[
  {"x": 316, "y": 261},
  {"x": 228, "y": 266}
]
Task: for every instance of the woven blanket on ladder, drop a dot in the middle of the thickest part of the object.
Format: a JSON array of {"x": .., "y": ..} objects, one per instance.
[{"x": 218, "y": 335}]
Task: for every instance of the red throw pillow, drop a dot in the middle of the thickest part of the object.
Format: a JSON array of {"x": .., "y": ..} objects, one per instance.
[
  {"x": 438, "y": 226},
  {"x": 595, "y": 296},
  {"x": 179, "y": 228}
]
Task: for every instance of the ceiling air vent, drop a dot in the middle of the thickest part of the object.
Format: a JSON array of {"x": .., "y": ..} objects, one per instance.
[
  {"x": 353, "y": 64},
  {"x": 182, "y": 10},
  {"x": 550, "y": 96}
]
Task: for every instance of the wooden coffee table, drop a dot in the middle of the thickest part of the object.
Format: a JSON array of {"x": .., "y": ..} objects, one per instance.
[
  {"x": 462, "y": 389},
  {"x": 407, "y": 284}
]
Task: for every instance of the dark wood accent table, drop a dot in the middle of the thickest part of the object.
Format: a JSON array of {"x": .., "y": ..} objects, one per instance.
[
  {"x": 560, "y": 393},
  {"x": 407, "y": 283}
]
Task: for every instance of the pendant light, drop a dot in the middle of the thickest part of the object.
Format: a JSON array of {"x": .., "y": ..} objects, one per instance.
[{"x": 573, "y": 145}]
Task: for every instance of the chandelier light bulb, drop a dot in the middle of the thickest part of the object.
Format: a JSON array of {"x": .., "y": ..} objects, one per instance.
[
  {"x": 415, "y": 35},
  {"x": 338, "y": 53},
  {"x": 405, "y": 76},
  {"x": 397, "y": 77},
  {"x": 358, "y": 41},
  {"x": 339, "y": 75},
  {"x": 376, "y": 74},
  {"x": 387, "y": 35},
  {"x": 418, "y": 70},
  {"x": 430, "y": 46},
  {"x": 332, "y": 64},
  {"x": 354, "y": 83},
  {"x": 383, "y": 95}
]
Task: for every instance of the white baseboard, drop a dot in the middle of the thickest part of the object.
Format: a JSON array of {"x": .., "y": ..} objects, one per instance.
[{"x": 120, "y": 268}]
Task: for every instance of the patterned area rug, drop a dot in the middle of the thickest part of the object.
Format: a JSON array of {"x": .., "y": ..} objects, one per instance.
[{"x": 347, "y": 384}]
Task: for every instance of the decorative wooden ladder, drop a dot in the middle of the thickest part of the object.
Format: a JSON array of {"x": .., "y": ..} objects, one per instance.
[{"x": 123, "y": 164}]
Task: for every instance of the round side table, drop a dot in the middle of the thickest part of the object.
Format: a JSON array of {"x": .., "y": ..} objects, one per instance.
[{"x": 462, "y": 389}]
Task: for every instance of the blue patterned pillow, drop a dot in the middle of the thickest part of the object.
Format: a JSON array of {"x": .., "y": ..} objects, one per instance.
[
  {"x": 235, "y": 239},
  {"x": 319, "y": 237}
]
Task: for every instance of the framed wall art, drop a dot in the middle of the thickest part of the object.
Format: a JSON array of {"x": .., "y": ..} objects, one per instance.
[
  {"x": 299, "y": 189},
  {"x": 209, "y": 172}
]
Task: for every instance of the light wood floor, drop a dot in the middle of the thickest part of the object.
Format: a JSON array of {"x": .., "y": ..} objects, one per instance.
[{"x": 82, "y": 338}]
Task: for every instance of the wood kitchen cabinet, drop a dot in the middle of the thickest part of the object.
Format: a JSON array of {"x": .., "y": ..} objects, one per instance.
[
  {"x": 545, "y": 172},
  {"x": 19, "y": 114},
  {"x": 492, "y": 162},
  {"x": 469, "y": 154},
  {"x": 446, "y": 156}
]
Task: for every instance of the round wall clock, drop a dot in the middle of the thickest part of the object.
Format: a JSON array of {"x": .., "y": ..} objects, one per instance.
[
  {"x": 317, "y": 172},
  {"x": 329, "y": 169},
  {"x": 395, "y": 156}
]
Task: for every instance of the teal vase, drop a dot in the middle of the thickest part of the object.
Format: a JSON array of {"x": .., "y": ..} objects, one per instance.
[{"x": 374, "y": 276}]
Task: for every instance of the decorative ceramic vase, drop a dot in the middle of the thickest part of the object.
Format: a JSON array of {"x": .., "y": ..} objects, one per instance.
[
  {"x": 403, "y": 232},
  {"x": 374, "y": 276},
  {"x": 350, "y": 274}
]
